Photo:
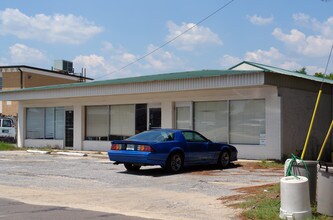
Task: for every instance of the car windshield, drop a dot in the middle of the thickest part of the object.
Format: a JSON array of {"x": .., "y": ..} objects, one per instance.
[{"x": 154, "y": 136}]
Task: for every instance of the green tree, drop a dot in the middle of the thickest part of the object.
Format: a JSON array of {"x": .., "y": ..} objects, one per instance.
[
  {"x": 326, "y": 76},
  {"x": 302, "y": 70}
]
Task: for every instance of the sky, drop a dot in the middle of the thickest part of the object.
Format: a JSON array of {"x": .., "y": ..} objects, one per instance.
[{"x": 116, "y": 39}]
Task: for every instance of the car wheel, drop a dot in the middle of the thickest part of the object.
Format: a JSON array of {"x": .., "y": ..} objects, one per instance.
[
  {"x": 175, "y": 163},
  {"x": 132, "y": 167},
  {"x": 224, "y": 159}
]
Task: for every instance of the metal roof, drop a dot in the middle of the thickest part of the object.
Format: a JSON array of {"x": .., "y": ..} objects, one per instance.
[
  {"x": 141, "y": 79},
  {"x": 267, "y": 68},
  {"x": 244, "y": 67}
]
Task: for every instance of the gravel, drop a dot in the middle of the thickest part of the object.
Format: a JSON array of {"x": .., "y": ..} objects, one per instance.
[{"x": 96, "y": 174}]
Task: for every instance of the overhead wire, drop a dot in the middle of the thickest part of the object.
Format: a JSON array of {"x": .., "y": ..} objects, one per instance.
[
  {"x": 328, "y": 61},
  {"x": 169, "y": 41}
]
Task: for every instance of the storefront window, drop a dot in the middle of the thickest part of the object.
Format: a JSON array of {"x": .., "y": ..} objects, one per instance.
[
  {"x": 35, "y": 123},
  {"x": 122, "y": 121},
  {"x": 183, "y": 117},
  {"x": 247, "y": 121},
  {"x": 211, "y": 119},
  {"x": 97, "y": 124},
  {"x": 45, "y": 123},
  {"x": 113, "y": 122}
]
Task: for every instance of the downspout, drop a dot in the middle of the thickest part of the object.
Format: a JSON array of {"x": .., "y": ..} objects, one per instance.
[{"x": 21, "y": 77}]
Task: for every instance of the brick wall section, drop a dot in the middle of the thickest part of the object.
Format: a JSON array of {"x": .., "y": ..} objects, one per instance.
[
  {"x": 12, "y": 81},
  {"x": 34, "y": 80}
]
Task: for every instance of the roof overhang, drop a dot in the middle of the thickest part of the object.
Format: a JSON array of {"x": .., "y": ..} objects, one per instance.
[{"x": 137, "y": 85}]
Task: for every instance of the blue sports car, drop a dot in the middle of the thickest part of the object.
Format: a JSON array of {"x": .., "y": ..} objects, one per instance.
[{"x": 171, "y": 149}]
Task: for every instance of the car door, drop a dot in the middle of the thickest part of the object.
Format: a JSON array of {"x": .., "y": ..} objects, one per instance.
[{"x": 197, "y": 147}]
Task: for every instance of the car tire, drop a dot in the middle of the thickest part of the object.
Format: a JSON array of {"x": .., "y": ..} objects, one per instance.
[
  {"x": 132, "y": 167},
  {"x": 175, "y": 163},
  {"x": 224, "y": 159}
]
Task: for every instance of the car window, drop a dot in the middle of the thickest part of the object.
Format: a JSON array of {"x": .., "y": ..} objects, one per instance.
[
  {"x": 159, "y": 136},
  {"x": 6, "y": 123},
  {"x": 191, "y": 136}
]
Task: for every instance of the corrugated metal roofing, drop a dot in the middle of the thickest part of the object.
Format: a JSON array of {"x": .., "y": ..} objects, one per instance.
[
  {"x": 142, "y": 79},
  {"x": 267, "y": 68},
  {"x": 183, "y": 75}
]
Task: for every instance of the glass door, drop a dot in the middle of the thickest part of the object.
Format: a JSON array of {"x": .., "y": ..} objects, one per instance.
[
  {"x": 154, "y": 118},
  {"x": 69, "y": 128}
]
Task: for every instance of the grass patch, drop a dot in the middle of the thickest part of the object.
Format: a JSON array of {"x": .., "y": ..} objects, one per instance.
[
  {"x": 6, "y": 146},
  {"x": 262, "y": 202},
  {"x": 271, "y": 164}
]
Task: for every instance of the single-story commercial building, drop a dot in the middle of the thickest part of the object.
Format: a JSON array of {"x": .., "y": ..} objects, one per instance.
[{"x": 262, "y": 110}]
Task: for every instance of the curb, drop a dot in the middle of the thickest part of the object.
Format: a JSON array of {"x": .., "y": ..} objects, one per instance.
[
  {"x": 71, "y": 154},
  {"x": 39, "y": 151}
]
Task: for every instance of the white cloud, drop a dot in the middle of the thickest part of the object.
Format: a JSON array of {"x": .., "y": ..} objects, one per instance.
[
  {"x": 100, "y": 67},
  {"x": 295, "y": 36},
  {"x": 228, "y": 61},
  {"x": 312, "y": 46},
  {"x": 68, "y": 29},
  {"x": 95, "y": 65},
  {"x": 258, "y": 20},
  {"x": 317, "y": 44},
  {"x": 22, "y": 54},
  {"x": 269, "y": 57},
  {"x": 325, "y": 28},
  {"x": 161, "y": 60},
  {"x": 195, "y": 37}
]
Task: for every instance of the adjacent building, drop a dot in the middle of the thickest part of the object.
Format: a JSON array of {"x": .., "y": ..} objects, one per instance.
[
  {"x": 22, "y": 76},
  {"x": 262, "y": 110}
]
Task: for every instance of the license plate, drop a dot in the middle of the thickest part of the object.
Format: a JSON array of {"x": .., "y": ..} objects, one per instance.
[
  {"x": 130, "y": 147},
  {"x": 5, "y": 131}
]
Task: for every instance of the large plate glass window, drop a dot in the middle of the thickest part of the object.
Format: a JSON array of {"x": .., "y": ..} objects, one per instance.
[
  {"x": 97, "y": 122},
  {"x": 122, "y": 124},
  {"x": 211, "y": 119},
  {"x": 183, "y": 116},
  {"x": 59, "y": 123},
  {"x": 35, "y": 123},
  {"x": 247, "y": 121},
  {"x": 49, "y": 123},
  {"x": 45, "y": 123}
]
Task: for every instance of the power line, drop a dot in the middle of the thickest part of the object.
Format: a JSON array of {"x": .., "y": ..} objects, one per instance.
[{"x": 171, "y": 40}]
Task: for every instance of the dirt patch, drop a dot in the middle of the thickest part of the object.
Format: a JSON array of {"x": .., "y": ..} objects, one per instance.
[
  {"x": 244, "y": 192},
  {"x": 252, "y": 166},
  {"x": 207, "y": 172}
]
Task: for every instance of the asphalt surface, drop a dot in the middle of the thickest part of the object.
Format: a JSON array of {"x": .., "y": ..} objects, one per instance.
[
  {"x": 94, "y": 183},
  {"x": 14, "y": 210}
]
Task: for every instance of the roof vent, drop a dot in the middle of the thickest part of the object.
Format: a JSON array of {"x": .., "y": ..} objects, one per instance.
[{"x": 63, "y": 66}]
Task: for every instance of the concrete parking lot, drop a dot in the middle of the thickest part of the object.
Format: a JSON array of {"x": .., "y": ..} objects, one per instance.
[{"x": 94, "y": 183}]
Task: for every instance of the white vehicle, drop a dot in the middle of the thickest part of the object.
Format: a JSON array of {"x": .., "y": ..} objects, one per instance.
[{"x": 7, "y": 129}]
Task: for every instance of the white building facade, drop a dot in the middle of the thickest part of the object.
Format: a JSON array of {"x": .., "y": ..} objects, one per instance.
[{"x": 248, "y": 106}]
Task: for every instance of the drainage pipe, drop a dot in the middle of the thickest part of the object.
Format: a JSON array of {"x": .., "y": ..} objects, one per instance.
[{"x": 21, "y": 77}]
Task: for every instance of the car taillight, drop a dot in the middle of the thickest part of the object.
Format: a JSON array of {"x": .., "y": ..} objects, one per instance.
[
  {"x": 144, "y": 148},
  {"x": 116, "y": 147}
]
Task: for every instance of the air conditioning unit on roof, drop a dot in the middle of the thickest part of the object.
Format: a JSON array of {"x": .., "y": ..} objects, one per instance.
[{"x": 63, "y": 66}]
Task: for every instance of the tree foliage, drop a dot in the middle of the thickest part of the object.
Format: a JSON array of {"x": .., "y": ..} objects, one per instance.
[
  {"x": 326, "y": 76},
  {"x": 302, "y": 70},
  {"x": 318, "y": 74}
]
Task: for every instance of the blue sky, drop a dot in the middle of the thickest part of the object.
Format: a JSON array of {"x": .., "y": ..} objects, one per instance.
[{"x": 103, "y": 36}]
